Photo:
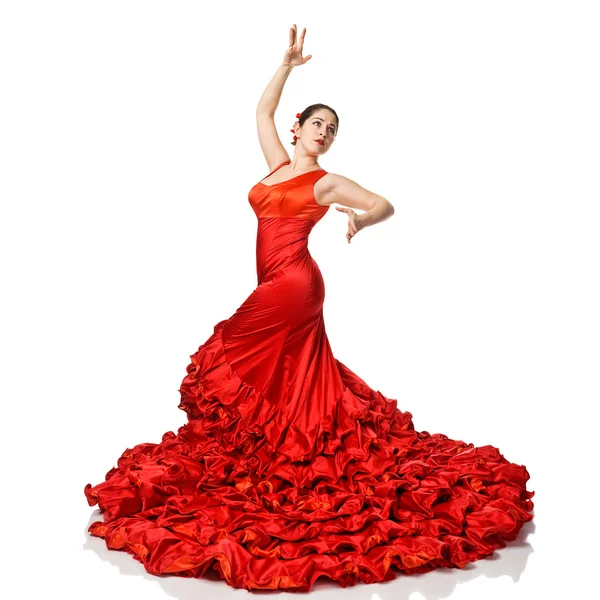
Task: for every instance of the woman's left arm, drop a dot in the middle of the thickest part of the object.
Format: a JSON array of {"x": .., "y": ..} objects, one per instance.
[{"x": 349, "y": 194}]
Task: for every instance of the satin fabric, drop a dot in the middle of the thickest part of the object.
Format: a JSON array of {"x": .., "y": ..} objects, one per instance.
[{"x": 290, "y": 467}]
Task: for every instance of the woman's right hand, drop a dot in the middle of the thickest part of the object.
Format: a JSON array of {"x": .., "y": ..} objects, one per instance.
[{"x": 293, "y": 55}]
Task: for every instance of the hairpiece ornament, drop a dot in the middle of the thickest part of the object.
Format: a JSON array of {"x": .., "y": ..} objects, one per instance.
[{"x": 292, "y": 130}]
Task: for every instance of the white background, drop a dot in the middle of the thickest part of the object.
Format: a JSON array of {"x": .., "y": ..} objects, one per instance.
[{"x": 129, "y": 146}]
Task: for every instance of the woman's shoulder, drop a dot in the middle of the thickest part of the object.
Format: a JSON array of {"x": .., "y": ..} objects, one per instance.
[
  {"x": 325, "y": 186},
  {"x": 331, "y": 181}
]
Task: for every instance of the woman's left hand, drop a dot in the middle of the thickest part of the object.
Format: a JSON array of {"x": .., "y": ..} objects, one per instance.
[{"x": 355, "y": 224}]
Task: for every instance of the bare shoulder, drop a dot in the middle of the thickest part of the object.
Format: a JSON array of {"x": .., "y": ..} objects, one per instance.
[
  {"x": 325, "y": 187},
  {"x": 333, "y": 188}
]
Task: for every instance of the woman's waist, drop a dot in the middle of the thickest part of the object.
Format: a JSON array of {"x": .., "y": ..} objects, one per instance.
[{"x": 270, "y": 263}]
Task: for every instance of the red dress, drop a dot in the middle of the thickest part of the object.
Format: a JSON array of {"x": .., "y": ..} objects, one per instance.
[{"x": 290, "y": 467}]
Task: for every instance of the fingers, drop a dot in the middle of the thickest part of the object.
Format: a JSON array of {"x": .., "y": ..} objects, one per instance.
[
  {"x": 346, "y": 210},
  {"x": 293, "y": 34},
  {"x": 350, "y": 234},
  {"x": 352, "y": 228}
]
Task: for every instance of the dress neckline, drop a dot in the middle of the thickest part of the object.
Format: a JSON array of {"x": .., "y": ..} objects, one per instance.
[{"x": 286, "y": 180}]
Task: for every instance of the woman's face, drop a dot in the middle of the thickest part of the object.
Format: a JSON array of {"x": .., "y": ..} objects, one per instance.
[{"x": 318, "y": 132}]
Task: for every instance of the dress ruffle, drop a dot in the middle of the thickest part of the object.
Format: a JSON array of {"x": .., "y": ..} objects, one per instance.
[{"x": 268, "y": 506}]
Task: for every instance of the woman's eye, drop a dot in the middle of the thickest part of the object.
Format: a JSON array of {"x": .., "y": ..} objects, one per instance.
[{"x": 317, "y": 124}]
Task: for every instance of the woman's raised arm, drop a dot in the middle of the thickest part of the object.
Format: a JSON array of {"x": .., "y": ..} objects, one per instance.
[{"x": 268, "y": 138}]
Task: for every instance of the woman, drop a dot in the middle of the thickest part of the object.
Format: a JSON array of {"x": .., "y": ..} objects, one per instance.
[
  {"x": 290, "y": 466},
  {"x": 316, "y": 130}
]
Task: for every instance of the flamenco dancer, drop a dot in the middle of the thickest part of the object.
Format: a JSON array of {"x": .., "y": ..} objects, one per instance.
[{"x": 290, "y": 467}]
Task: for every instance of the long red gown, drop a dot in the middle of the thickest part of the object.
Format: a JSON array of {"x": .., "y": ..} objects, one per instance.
[{"x": 290, "y": 467}]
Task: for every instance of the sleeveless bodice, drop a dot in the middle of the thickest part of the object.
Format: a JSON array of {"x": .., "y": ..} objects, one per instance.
[
  {"x": 290, "y": 199},
  {"x": 286, "y": 211}
]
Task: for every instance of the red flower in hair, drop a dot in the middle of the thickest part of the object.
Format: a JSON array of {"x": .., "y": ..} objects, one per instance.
[{"x": 295, "y": 137}]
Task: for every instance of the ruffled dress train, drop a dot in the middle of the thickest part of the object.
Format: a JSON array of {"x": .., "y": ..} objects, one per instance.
[{"x": 290, "y": 467}]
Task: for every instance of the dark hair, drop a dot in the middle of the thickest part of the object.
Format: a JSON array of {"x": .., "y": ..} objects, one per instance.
[{"x": 308, "y": 112}]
